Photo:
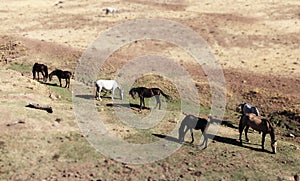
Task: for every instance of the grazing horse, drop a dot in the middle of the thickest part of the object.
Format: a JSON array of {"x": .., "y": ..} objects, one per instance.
[
  {"x": 144, "y": 92},
  {"x": 37, "y": 68},
  {"x": 60, "y": 74},
  {"x": 108, "y": 85},
  {"x": 110, "y": 10},
  {"x": 191, "y": 122},
  {"x": 245, "y": 108},
  {"x": 256, "y": 123}
]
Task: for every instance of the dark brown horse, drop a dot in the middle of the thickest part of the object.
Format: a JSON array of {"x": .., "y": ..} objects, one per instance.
[
  {"x": 60, "y": 74},
  {"x": 258, "y": 124},
  {"x": 191, "y": 122},
  {"x": 37, "y": 68},
  {"x": 144, "y": 92}
]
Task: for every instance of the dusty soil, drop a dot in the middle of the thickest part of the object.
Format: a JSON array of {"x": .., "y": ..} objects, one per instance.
[{"x": 257, "y": 45}]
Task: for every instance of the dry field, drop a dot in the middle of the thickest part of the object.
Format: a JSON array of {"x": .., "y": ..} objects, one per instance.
[{"x": 256, "y": 43}]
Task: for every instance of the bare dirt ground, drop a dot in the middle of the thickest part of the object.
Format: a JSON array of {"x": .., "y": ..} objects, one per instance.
[{"x": 257, "y": 45}]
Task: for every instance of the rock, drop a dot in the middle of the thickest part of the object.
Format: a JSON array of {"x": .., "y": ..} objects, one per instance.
[
  {"x": 58, "y": 120},
  {"x": 291, "y": 135},
  {"x": 191, "y": 169}
]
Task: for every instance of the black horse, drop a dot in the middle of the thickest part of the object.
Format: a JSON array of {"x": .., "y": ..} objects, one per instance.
[
  {"x": 191, "y": 122},
  {"x": 144, "y": 92},
  {"x": 37, "y": 68},
  {"x": 61, "y": 75}
]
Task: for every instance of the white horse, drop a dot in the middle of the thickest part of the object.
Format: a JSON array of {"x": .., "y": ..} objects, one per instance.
[
  {"x": 107, "y": 85},
  {"x": 110, "y": 10}
]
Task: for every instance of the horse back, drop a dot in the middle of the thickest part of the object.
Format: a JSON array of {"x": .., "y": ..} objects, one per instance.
[
  {"x": 255, "y": 122},
  {"x": 106, "y": 84},
  {"x": 195, "y": 122},
  {"x": 67, "y": 74}
]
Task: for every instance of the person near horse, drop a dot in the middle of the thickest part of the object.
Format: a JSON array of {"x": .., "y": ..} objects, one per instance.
[
  {"x": 37, "y": 68},
  {"x": 107, "y": 85},
  {"x": 258, "y": 124},
  {"x": 144, "y": 92},
  {"x": 60, "y": 74}
]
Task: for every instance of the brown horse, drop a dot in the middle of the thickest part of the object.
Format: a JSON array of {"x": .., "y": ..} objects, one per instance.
[
  {"x": 191, "y": 122},
  {"x": 37, "y": 68},
  {"x": 60, "y": 74},
  {"x": 258, "y": 124},
  {"x": 144, "y": 92}
]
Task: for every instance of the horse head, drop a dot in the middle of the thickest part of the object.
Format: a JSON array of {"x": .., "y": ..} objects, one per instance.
[
  {"x": 239, "y": 108},
  {"x": 132, "y": 92}
]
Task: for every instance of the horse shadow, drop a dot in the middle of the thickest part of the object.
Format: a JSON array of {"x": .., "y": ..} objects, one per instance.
[
  {"x": 49, "y": 84},
  {"x": 86, "y": 96},
  {"x": 217, "y": 138},
  {"x": 168, "y": 138},
  {"x": 130, "y": 105}
]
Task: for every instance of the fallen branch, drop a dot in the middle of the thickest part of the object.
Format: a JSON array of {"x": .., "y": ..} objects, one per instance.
[
  {"x": 37, "y": 106},
  {"x": 16, "y": 122}
]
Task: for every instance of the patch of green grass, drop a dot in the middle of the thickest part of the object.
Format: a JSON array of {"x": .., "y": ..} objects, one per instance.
[
  {"x": 74, "y": 148},
  {"x": 21, "y": 68},
  {"x": 65, "y": 93},
  {"x": 141, "y": 137}
]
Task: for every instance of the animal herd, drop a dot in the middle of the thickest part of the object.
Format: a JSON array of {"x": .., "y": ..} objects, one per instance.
[
  {"x": 43, "y": 69},
  {"x": 250, "y": 116}
]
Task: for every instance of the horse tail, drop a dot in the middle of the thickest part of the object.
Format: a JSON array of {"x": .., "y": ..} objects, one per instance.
[{"x": 165, "y": 95}]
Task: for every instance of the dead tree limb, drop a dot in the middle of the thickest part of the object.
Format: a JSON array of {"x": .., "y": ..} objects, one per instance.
[{"x": 37, "y": 106}]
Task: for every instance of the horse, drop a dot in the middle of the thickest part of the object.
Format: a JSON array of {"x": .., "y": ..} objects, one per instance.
[
  {"x": 60, "y": 74},
  {"x": 191, "y": 122},
  {"x": 245, "y": 108},
  {"x": 110, "y": 10},
  {"x": 37, "y": 68},
  {"x": 144, "y": 92},
  {"x": 258, "y": 124},
  {"x": 107, "y": 85}
]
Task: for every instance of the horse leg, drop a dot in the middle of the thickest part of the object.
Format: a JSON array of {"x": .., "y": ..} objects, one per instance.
[
  {"x": 183, "y": 133},
  {"x": 205, "y": 140},
  {"x": 43, "y": 76},
  {"x": 246, "y": 132},
  {"x": 158, "y": 102},
  {"x": 69, "y": 82},
  {"x": 99, "y": 93},
  {"x": 112, "y": 94},
  {"x": 59, "y": 81},
  {"x": 66, "y": 82},
  {"x": 263, "y": 141},
  {"x": 192, "y": 134},
  {"x": 141, "y": 102},
  {"x": 241, "y": 128}
]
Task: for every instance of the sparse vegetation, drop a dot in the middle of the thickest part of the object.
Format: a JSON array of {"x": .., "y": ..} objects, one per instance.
[{"x": 51, "y": 146}]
